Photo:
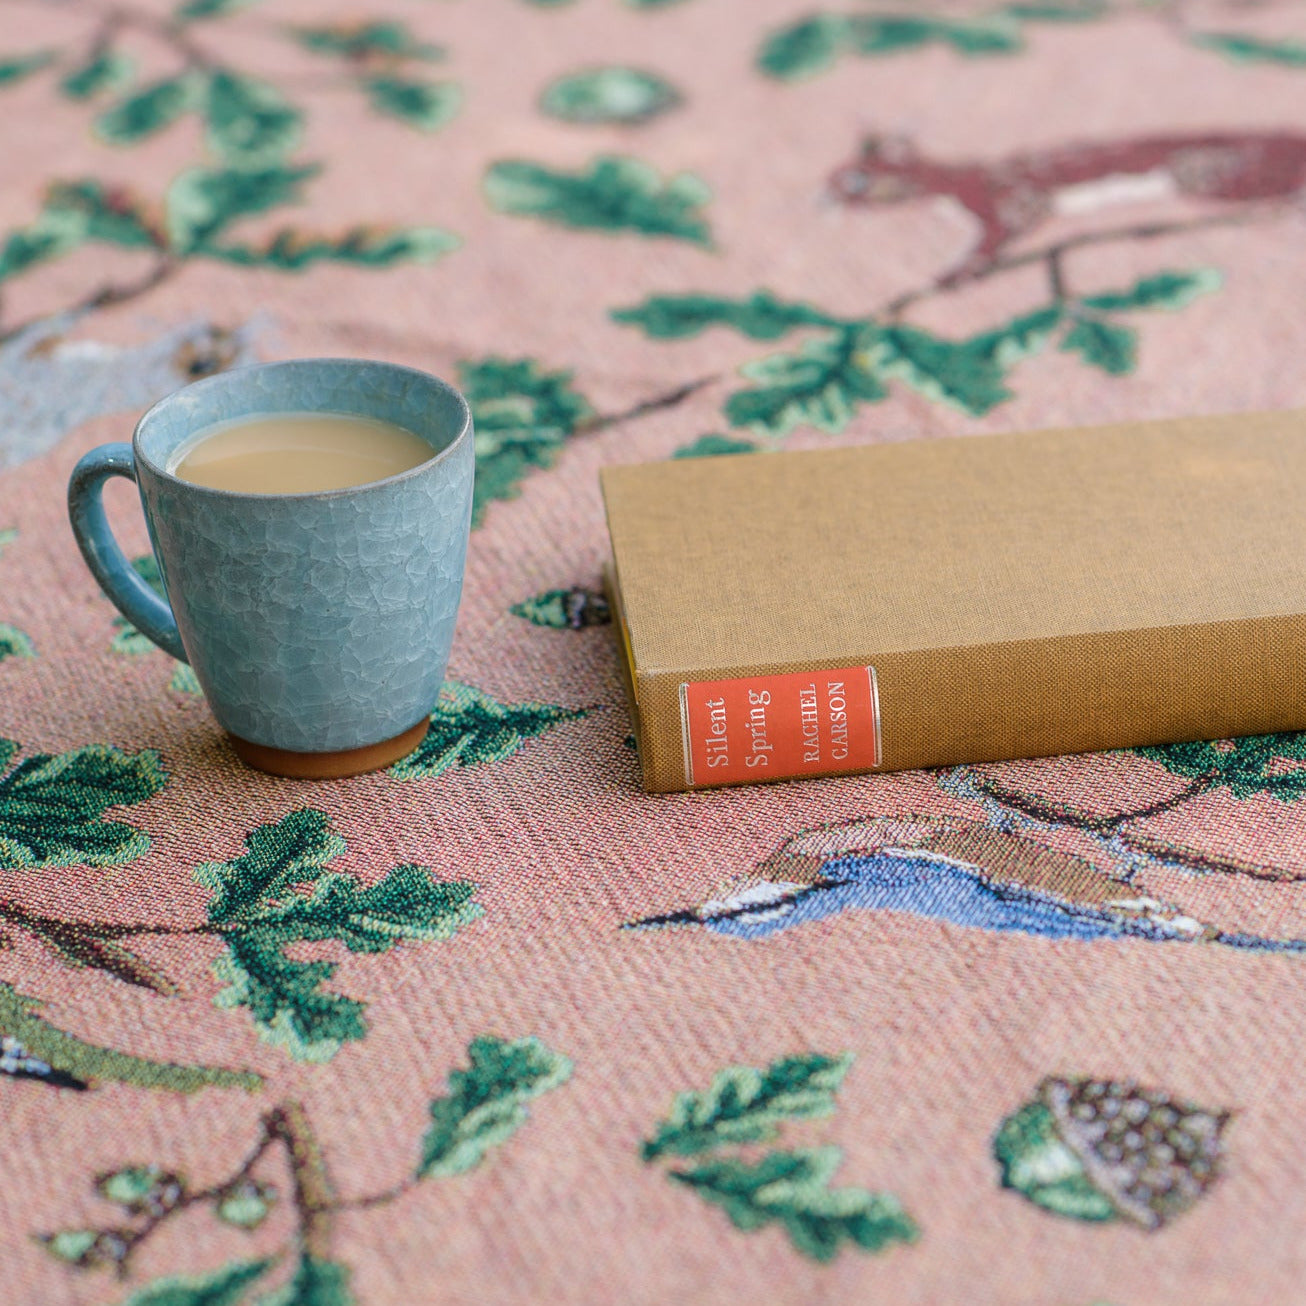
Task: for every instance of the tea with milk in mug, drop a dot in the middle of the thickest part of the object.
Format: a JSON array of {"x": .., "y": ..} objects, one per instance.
[{"x": 299, "y": 453}]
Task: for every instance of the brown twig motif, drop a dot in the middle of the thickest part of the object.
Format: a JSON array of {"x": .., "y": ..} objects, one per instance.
[
  {"x": 1053, "y": 256},
  {"x": 161, "y": 1195}
]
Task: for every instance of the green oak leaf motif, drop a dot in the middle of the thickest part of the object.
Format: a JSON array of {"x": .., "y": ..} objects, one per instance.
[
  {"x": 881, "y": 34},
  {"x": 761, "y": 316},
  {"x": 104, "y": 70},
  {"x": 715, "y": 446},
  {"x": 7, "y": 537},
  {"x": 202, "y": 202},
  {"x": 14, "y": 643},
  {"x": 792, "y": 1189},
  {"x": 486, "y": 1103},
  {"x": 614, "y": 193},
  {"x": 1059, "y": 11},
  {"x": 248, "y": 121},
  {"x": 469, "y": 728},
  {"x": 316, "y": 1282},
  {"x": 522, "y": 415},
  {"x": 52, "y": 806},
  {"x": 13, "y": 68},
  {"x": 572, "y": 609},
  {"x": 609, "y": 95},
  {"x": 80, "y": 1064},
  {"x": 104, "y": 214},
  {"x": 73, "y": 214},
  {"x": 961, "y": 374},
  {"x": 1253, "y": 49},
  {"x": 151, "y": 109},
  {"x": 224, "y": 1287},
  {"x": 1107, "y": 345},
  {"x": 803, "y": 48},
  {"x": 370, "y": 247},
  {"x": 1169, "y": 290},
  {"x": 360, "y": 41},
  {"x": 846, "y": 362},
  {"x": 45, "y": 239},
  {"x": 191, "y": 11},
  {"x": 1270, "y": 765},
  {"x": 812, "y": 44},
  {"x": 821, "y": 385},
  {"x": 281, "y": 892},
  {"x": 746, "y": 1105},
  {"x": 184, "y": 680},
  {"x": 428, "y": 105}
]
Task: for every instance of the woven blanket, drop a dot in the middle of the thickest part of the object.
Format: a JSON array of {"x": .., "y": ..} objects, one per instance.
[{"x": 495, "y": 1026}]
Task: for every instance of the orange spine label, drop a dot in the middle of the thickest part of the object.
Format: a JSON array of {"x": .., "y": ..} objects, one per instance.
[{"x": 779, "y": 727}]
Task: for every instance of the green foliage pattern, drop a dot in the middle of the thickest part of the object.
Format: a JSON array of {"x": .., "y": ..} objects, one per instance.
[
  {"x": 1272, "y": 765},
  {"x": 791, "y": 1189},
  {"x": 1253, "y": 49},
  {"x": 849, "y": 362},
  {"x": 281, "y": 892},
  {"x": 522, "y": 416},
  {"x": 486, "y": 1103},
  {"x": 14, "y": 643},
  {"x": 316, "y": 1282},
  {"x": 572, "y": 609},
  {"x": 715, "y": 446},
  {"x": 744, "y": 1105},
  {"x": 52, "y": 806},
  {"x": 224, "y": 1287},
  {"x": 250, "y": 130},
  {"x": 613, "y": 94},
  {"x": 813, "y": 43},
  {"x": 614, "y": 193},
  {"x": 469, "y": 728}
]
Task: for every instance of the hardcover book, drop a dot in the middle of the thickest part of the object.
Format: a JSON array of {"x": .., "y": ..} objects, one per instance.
[{"x": 958, "y": 600}]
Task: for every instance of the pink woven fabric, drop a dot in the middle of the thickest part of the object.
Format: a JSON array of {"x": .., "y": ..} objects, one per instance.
[{"x": 1022, "y": 1034}]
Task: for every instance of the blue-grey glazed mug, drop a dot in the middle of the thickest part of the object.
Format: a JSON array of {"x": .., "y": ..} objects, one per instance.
[{"x": 318, "y": 624}]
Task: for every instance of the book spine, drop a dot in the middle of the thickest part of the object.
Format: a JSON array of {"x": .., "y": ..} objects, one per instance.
[{"x": 903, "y": 709}]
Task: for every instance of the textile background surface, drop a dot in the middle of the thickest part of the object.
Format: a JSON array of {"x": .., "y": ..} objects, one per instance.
[{"x": 494, "y": 1026}]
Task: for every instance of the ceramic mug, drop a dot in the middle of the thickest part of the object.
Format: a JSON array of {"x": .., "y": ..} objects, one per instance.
[{"x": 318, "y": 624}]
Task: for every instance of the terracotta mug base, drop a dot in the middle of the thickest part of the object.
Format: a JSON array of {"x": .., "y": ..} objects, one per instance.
[{"x": 329, "y": 766}]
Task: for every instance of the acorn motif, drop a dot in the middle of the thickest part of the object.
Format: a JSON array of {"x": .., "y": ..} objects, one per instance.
[
  {"x": 1096, "y": 1149},
  {"x": 245, "y": 1203}
]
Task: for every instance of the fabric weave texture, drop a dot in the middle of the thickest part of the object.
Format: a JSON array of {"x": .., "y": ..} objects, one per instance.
[{"x": 494, "y": 1025}]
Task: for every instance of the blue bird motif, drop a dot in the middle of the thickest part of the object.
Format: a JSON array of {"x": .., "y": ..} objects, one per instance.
[{"x": 952, "y": 869}]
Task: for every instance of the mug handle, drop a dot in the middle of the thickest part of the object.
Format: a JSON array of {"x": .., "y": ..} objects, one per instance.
[{"x": 150, "y": 614}]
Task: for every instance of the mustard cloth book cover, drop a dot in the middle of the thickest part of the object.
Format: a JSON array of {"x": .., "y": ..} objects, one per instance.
[{"x": 961, "y": 600}]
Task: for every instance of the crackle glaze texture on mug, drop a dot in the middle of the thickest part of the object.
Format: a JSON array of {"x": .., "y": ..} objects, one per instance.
[{"x": 314, "y": 622}]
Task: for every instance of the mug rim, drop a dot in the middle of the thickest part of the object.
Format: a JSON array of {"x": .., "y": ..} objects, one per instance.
[{"x": 463, "y": 434}]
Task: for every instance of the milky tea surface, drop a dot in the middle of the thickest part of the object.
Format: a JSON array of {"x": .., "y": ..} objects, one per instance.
[{"x": 297, "y": 453}]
